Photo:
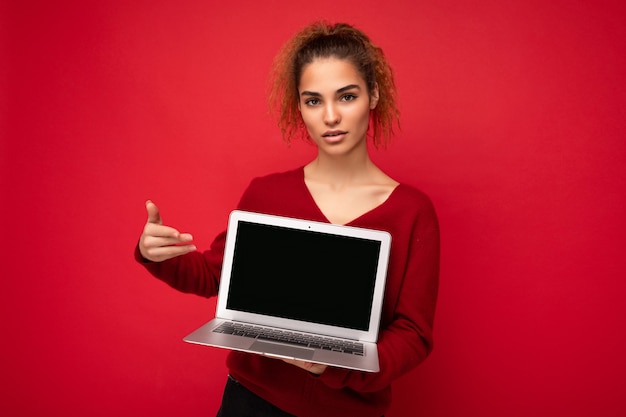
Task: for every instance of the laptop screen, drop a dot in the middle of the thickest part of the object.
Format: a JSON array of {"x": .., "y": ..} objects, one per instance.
[{"x": 303, "y": 275}]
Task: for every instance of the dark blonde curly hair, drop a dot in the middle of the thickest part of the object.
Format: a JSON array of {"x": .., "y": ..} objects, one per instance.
[{"x": 342, "y": 41}]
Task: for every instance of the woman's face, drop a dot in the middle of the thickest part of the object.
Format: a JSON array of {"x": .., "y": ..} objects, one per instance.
[{"x": 335, "y": 105}]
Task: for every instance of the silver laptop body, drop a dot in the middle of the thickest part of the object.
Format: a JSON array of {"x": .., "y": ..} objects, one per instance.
[{"x": 300, "y": 289}]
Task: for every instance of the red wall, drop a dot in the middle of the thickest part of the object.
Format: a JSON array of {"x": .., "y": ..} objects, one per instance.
[{"x": 512, "y": 121}]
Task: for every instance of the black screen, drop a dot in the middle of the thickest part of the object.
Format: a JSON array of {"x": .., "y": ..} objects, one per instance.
[{"x": 303, "y": 275}]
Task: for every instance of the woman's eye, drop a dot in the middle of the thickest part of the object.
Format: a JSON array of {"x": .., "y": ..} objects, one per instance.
[
  {"x": 348, "y": 97},
  {"x": 312, "y": 102}
]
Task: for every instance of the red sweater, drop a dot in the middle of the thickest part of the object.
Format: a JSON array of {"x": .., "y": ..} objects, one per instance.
[{"x": 406, "y": 329}]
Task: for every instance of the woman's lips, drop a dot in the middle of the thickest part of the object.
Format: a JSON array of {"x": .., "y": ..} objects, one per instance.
[{"x": 334, "y": 136}]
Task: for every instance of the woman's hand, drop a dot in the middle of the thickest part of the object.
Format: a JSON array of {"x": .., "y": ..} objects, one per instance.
[
  {"x": 158, "y": 242},
  {"x": 314, "y": 368}
]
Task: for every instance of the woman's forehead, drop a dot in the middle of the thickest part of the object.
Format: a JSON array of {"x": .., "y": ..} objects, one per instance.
[{"x": 329, "y": 74}]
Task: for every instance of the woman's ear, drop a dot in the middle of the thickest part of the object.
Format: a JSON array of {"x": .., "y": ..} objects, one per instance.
[{"x": 374, "y": 97}]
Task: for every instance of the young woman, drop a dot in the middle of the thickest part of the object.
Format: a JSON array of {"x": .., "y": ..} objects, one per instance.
[{"x": 332, "y": 86}]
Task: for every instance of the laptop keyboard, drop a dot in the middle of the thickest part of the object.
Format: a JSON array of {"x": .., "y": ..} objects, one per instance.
[{"x": 292, "y": 338}]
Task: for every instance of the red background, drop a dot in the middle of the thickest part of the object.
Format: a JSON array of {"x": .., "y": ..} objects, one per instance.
[{"x": 512, "y": 121}]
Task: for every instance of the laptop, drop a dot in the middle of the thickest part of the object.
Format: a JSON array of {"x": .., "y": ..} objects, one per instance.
[{"x": 300, "y": 289}]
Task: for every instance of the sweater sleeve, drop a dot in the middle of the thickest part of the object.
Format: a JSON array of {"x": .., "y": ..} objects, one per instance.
[{"x": 407, "y": 339}]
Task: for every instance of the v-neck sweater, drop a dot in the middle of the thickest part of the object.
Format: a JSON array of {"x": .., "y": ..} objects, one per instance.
[{"x": 405, "y": 337}]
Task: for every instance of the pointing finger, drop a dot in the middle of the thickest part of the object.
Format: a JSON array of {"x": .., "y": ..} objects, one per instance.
[{"x": 155, "y": 229}]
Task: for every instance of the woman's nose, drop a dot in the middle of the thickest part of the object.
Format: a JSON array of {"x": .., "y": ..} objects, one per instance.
[{"x": 331, "y": 115}]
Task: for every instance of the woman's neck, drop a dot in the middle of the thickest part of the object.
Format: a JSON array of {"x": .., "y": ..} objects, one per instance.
[{"x": 341, "y": 171}]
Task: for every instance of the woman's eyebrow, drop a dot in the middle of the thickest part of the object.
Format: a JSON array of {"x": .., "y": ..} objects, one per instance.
[
  {"x": 310, "y": 93},
  {"x": 341, "y": 90},
  {"x": 349, "y": 87}
]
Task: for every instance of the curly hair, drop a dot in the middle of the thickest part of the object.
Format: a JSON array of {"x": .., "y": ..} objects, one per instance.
[{"x": 342, "y": 41}]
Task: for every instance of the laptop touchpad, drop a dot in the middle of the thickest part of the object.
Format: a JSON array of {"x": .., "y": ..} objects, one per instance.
[{"x": 282, "y": 350}]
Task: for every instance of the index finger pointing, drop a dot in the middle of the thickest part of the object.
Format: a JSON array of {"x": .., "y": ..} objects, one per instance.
[{"x": 159, "y": 230}]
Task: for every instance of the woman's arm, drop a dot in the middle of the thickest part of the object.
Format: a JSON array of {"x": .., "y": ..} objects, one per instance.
[{"x": 171, "y": 257}]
